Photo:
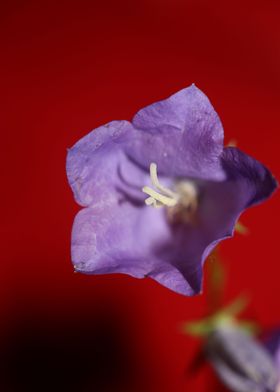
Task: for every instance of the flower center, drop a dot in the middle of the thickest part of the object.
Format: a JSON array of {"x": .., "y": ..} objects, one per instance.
[
  {"x": 181, "y": 202},
  {"x": 162, "y": 196}
]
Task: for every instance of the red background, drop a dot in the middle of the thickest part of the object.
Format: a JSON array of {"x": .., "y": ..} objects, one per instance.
[{"x": 66, "y": 68}]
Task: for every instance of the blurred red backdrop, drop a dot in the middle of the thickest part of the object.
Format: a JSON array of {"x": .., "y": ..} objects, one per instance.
[{"x": 66, "y": 68}]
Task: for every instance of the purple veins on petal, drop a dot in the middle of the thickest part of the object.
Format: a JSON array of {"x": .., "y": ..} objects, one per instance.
[{"x": 160, "y": 192}]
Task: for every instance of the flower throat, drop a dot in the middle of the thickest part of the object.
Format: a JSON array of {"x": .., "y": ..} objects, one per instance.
[{"x": 183, "y": 201}]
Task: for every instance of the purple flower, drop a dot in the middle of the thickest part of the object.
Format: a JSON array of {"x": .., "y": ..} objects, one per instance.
[
  {"x": 242, "y": 363},
  {"x": 160, "y": 192},
  {"x": 273, "y": 345}
]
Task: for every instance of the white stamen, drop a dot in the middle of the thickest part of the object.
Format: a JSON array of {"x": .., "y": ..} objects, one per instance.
[
  {"x": 157, "y": 199},
  {"x": 156, "y": 183},
  {"x": 150, "y": 201}
]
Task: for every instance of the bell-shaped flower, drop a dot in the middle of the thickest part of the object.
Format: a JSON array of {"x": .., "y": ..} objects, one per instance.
[
  {"x": 160, "y": 192},
  {"x": 242, "y": 363}
]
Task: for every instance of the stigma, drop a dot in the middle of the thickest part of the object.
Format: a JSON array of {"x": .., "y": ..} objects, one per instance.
[{"x": 182, "y": 200}]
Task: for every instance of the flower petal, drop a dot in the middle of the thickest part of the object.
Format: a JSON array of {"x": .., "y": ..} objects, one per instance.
[
  {"x": 255, "y": 181},
  {"x": 93, "y": 162},
  {"x": 272, "y": 343},
  {"x": 118, "y": 237},
  {"x": 111, "y": 237},
  {"x": 182, "y": 134},
  {"x": 241, "y": 361},
  {"x": 220, "y": 205},
  {"x": 237, "y": 382}
]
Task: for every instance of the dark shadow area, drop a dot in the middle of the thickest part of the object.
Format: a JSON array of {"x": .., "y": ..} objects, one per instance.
[{"x": 76, "y": 353}]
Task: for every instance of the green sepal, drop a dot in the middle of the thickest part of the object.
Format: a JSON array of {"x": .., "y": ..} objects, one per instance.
[
  {"x": 226, "y": 316},
  {"x": 241, "y": 229}
]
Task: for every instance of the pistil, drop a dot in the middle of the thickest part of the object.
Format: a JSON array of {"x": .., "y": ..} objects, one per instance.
[
  {"x": 181, "y": 204},
  {"x": 162, "y": 196}
]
